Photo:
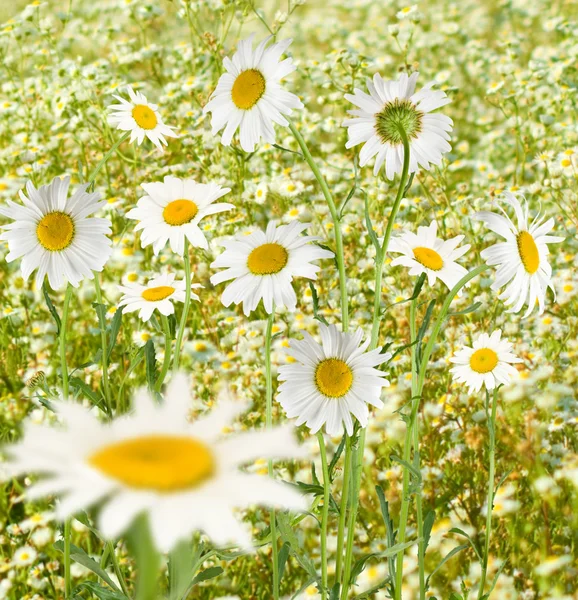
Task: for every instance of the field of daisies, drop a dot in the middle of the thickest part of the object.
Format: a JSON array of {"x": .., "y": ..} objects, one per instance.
[{"x": 288, "y": 300}]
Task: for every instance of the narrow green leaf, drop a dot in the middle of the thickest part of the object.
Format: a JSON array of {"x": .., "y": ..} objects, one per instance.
[
  {"x": 77, "y": 384},
  {"x": 97, "y": 590},
  {"x": 114, "y": 328},
  {"x": 464, "y": 534},
  {"x": 470, "y": 309},
  {"x": 334, "y": 595},
  {"x": 150, "y": 361},
  {"x": 370, "y": 230},
  {"x": 444, "y": 560},
  {"x": 51, "y": 308},
  {"x": 338, "y": 453},
  {"x": 315, "y": 298},
  {"x": 427, "y": 527},
  {"x": 407, "y": 465},
  {"x": 282, "y": 558},
  {"x": 207, "y": 574},
  {"x": 393, "y": 551}
]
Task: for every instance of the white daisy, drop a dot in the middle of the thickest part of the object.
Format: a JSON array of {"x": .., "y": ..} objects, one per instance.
[
  {"x": 141, "y": 118},
  {"x": 55, "y": 236},
  {"x": 488, "y": 362},
  {"x": 425, "y": 253},
  {"x": 172, "y": 210},
  {"x": 522, "y": 258},
  {"x": 263, "y": 265},
  {"x": 331, "y": 381},
  {"x": 24, "y": 556},
  {"x": 389, "y": 106},
  {"x": 184, "y": 476},
  {"x": 249, "y": 95},
  {"x": 159, "y": 293}
]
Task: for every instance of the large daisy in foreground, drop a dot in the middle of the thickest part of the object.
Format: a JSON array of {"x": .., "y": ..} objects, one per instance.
[
  {"x": 54, "y": 234},
  {"x": 389, "y": 106},
  {"x": 172, "y": 210},
  {"x": 184, "y": 476},
  {"x": 249, "y": 95},
  {"x": 522, "y": 258},
  {"x": 141, "y": 118},
  {"x": 488, "y": 362},
  {"x": 425, "y": 253},
  {"x": 332, "y": 382},
  {"x": 264, "y": 263}
]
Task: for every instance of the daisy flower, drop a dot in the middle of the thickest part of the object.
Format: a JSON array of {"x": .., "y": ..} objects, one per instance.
[
  {"x": 159, "y": 293},
  {"x": 488, "y": 362},
  {"x": 249, "y": 95},
  {"x": 172, "y": 209},
  {"x": 183, "y": 476},
  {"x": 54, "y": 234},
  {"x": 141, "y": 118},
  {"x": 331, "y": 381},
  {"x": 389, "y": 106},
  {"x": 522, "y": 258},
  {"x": 264, "y": 263},
  {"x": 424, "y": 252}
]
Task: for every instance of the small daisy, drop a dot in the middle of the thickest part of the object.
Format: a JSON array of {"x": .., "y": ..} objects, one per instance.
[
  {"x": 331, "y": 381},
  {"x": 522, "y": 258},
  {"x": 141, "y": 118},
  {"x": 159, "y": 293},
  {"x": 425, "y": 253},
  {"x": 263, "y": 265},
  {"x": 54, "y": 234},
  {"x": 488, "y": 362},
  {"x": 184, "y": 476},
  {"x": 172, "y": 210},
  {"x": 249, "y": 95},
  {"x": 24, "y": 556},
  {"x": 389, "y": 106}
]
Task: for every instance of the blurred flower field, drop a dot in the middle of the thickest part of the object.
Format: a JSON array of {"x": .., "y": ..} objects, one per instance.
[{"x": 425, "y": 455}]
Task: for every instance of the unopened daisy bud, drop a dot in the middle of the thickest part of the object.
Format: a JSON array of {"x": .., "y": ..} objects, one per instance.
[{"x": 37, "y": 379}]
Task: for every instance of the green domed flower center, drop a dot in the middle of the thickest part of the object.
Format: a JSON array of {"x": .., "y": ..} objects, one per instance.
[{"x": 395, "y": 115}]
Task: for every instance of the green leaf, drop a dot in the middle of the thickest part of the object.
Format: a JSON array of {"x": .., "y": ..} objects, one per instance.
[
  {"x": 369, "y": 594},
  {"x": 424, "y": 327},
  {"x": 495, "y": 580},
  {"x": 282, "y": 558},
  {"x": 389, "y": 528},
  {"x": 51, "y": 308},
  {"x": 334, "y": 595},
  {"x": 370, "y": 231},
  {"x": 101, "y": 313},
  {"x": 416, "y": 292},
  {"x": 427, "y": 527},
  {"x": 98, "y": 591},
  {"x": 315, "y": 299},
  {"x": 77, "y": 384},
  {"x": 150, "y": 361},
  {"x": 407, "y": 465},
  {"x": 444, "y": 560},
  {"x": 393, "y": 551},
  {"x": 470, "y": 309},
  {"x": 81, "y": 557},
  {"x": 289, "y": 536},
  {"x": 113, "y": 331},
  {"x": 207, "y": 574},
  {"x": 338, "y": 453},
  {"x": 473, "y": 544},
  {"x": 286, "y": 149}
]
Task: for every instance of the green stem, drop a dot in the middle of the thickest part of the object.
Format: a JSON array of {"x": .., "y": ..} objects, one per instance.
[
  {"x": 184, "y": 316},
  {"x": 490, "y": 503},
  {"x": 324, "y": 514},
  {"x": 117, "y": 569},
  {"x": 336, "y": 225},
  {"x": 147, "y": 558},
  {"x": 104, "y": 159},
  {"x": 67, "y": 579},
  {"x": 167, "y": 359},
  {"x": 343, "y": 508},
  {"x": 269, "y": 424},
  {"x": 104, "y": 345}
]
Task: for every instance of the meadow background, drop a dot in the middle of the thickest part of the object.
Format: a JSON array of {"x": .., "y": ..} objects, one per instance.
[{"x": 511, "y": 70}]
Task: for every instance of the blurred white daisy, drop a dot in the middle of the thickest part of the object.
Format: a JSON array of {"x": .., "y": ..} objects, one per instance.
[
  {"x": 172, "y": 210},
  {"x": 264, "y": 263},
  {"x": 389, "y": 106},
  {"x": 159, "y": 294},
  {"x": 424, "y": 252},
  {"x": 522, "y": 258},
  {"x": 141, "y": 118},
  {"x": 331, "y": 381},
  {"x": 54, "y": 234},
  {"x": 183, "y": 476},
  {"x": 24, "y": 556},
  {"x": 249, "y": 95},
  {"x": 488, "y": 362}
]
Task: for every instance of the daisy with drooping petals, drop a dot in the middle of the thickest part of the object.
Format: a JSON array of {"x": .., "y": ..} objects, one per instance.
[
  {"x": 425, "y": 253},
  {"x": 54, "y": 234},
  {"x": 159, "y": 294},
  {"x": 264, "y": 263},
  {"x": 183, "y": 476},
  {"x": 389, "y": 106},
  {"x": 141, "y": 118},
  {"x": 488, "y": 362},
  {"x": 172, "y": 209},
  {"x": 522, "y": 258},
  {"x": 332, "y": 381},
  {"x": 249, "y": 95}
]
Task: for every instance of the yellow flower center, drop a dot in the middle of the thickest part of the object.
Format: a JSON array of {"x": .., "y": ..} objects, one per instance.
[
  {"x": 429, "y": 258},
  {"x": 248, "y": 89},
  {"x": 267, "y": 259},
  {"x": 144, "y": 116},
  {"x": 179, "y": 212},
  {"x": 156, "y": 294},
  {"x": 528, "y": 250},
  {"x": 483, "y": 360},
  {"x": 55, "y": 231},
  {"x": 333, "y": 377},
  {"x": 161, "y": 463}
]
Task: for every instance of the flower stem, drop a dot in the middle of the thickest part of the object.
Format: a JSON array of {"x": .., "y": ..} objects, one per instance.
[
  {"x": 105, "y": 158},
  {"x": 167, "y": 359},
  {"x": 184, "y": 316},
  {"x": 324, "y": 514},
  {"x": 104, "y": 358},
  {"x": 491, "y": 415},
  {"x": 67, "y": 579},
  {"x": 336, "y": 225},
  {"x": 269, "y": 424},
  {"x": 343, "y": 508}
]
